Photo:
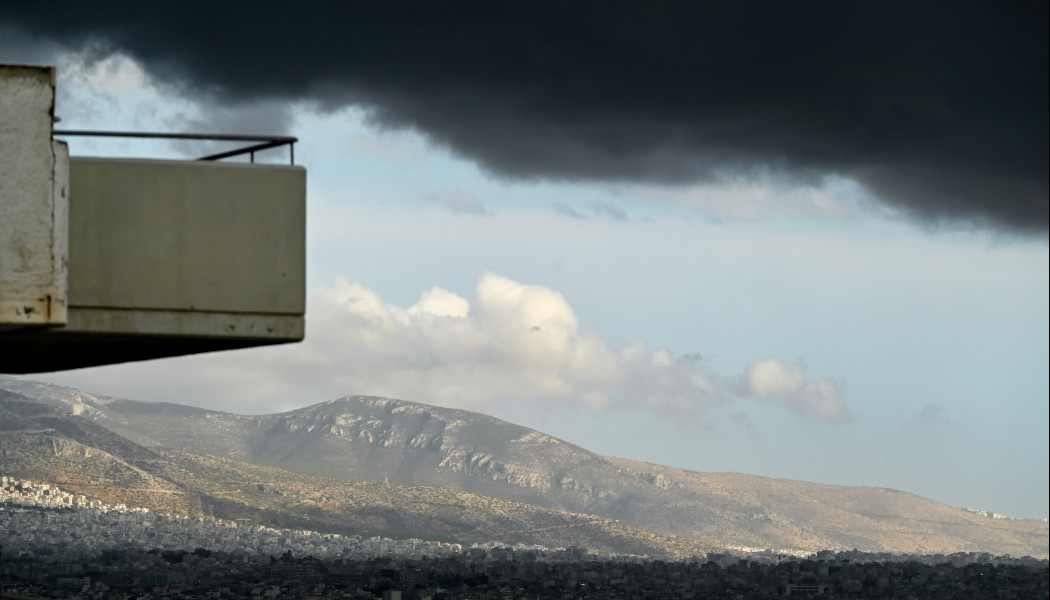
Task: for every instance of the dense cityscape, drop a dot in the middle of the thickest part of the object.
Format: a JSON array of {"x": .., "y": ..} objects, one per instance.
[{"x": 61, "y": 545}]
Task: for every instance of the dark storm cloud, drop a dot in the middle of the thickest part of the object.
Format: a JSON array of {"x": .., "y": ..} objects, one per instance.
[{"x": 937, "y": 107}]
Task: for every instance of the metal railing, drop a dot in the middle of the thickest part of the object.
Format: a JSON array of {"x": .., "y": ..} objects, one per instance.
[{"x": 267, "y": 141}]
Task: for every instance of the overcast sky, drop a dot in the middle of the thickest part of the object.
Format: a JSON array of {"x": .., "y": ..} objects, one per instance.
[{"x": 807, "y": 244}]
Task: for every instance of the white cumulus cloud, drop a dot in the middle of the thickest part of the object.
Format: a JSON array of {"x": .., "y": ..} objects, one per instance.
[
  {"x": 508, "y": 344},
  {"x": 771, "y": 380}
]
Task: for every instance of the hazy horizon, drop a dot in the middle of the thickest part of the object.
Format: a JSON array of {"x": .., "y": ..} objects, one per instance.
[{"x": 34, "y": 378}]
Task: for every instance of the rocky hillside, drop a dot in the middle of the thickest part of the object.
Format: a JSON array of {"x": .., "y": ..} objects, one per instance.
[
  {"x": 40, "y": 442},
  {"x": 385, "y": 440}
]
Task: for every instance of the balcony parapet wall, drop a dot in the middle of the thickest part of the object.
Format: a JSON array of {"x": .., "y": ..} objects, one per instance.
[{"x": 187, "y": 236}]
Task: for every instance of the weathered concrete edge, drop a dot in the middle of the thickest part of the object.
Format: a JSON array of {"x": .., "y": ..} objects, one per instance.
[{"x": 103, "y": 321}]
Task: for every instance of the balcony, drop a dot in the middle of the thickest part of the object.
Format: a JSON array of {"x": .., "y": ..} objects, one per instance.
[{"x": 106, "y": 260}]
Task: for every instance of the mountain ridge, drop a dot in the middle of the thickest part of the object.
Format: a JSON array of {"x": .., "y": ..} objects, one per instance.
[
  {"x": 41, "y": 442},
  {"x": 376, "y": 439}
]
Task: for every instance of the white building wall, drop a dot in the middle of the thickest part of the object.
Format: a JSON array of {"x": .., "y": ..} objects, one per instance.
[{"x": 33, "y": 201}]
